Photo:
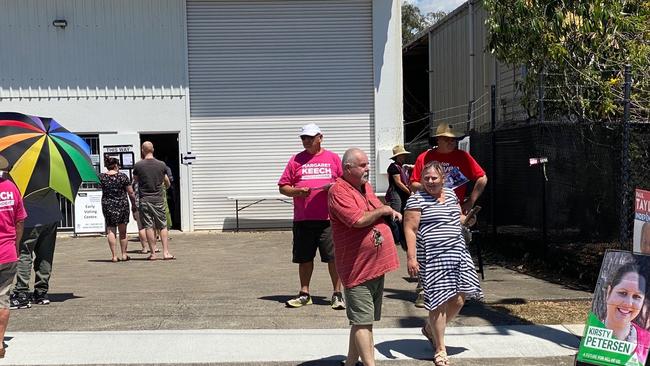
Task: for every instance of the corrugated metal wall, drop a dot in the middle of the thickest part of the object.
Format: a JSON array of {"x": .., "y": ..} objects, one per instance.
[
  {"x": 449, "y": 65},
  {"x": 449, "y": 60},
  {"x": 125, "y": 48},
  {"x": 258, "y": 71}
]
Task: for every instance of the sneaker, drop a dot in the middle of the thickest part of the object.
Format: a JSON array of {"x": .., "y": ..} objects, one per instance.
[
  {"x": 419, "y": 301},
  {"x": 301, "y": 300},
  {"x": 19, "y": 301},
  {"x": 41, "y": 298},
  {"x": 337, "y": 301}
]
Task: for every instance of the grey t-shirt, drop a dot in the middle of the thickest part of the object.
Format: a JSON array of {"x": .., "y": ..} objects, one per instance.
[{"x": 151, "y": 175}]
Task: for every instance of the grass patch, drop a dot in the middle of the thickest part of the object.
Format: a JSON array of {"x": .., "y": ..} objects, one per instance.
[{"x": 548, "y": 312}]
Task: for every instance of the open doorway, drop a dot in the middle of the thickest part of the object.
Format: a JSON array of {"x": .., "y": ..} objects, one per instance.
[{"x": 165, "y": 149}]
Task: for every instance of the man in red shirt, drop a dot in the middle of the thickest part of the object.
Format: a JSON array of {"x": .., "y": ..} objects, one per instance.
[
  {"x": 364, "y": 250},
  {"x": 460, "y": 166},
  {"x": 460, "y": 169}
]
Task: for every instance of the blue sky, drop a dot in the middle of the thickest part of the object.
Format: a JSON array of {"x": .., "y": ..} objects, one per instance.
[{"x": 436, "y": 5}]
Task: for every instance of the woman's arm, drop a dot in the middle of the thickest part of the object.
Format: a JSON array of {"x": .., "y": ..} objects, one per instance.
[
  {"x": 131, "y": 194},
  {"x": 411, "y": 224},
  {"x": 398, "y": 182}
]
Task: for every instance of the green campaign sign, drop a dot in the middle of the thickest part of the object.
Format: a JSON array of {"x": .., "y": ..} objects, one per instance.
[{"x": 616, "y": 332}]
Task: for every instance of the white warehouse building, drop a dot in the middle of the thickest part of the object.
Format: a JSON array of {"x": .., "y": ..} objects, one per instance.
[{"x": 229, "y": 82}]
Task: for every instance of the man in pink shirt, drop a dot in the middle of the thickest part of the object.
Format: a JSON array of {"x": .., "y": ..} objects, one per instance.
[
  {"x": 364, "y": 249},
  {"x": 307, "y": 178},
  {"x": 12, "y": 215}
]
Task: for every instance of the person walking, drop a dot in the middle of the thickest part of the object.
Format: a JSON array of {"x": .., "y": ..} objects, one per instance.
[
  {"x": 306, "y": 178},
  {"x": 115, "y": 206},
  {"x": 364, "y": 250},
  {"x": 432, "y": 226},
  {"x": 460, "y": 170},
  {"x": 12, "y": 216},
  {"x": 149, "y": 174}
]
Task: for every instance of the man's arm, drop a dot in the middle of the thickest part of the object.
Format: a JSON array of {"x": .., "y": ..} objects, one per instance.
[
  {"x": 291, "y": 191},
  {"x": 369, "y": 217},
  {"x": 166, "y": 181},
  {"x": 20, "y": 227},
  {"x": 479, "y": 187}
]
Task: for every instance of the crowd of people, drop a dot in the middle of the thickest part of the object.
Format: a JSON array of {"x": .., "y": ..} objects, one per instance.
[{"x": 337, "y": 212}]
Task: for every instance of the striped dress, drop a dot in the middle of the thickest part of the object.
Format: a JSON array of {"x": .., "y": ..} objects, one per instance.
[{"x": 446, "y": 267}]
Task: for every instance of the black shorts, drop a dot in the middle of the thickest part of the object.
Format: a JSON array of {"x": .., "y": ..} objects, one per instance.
[{"x": 309, "y": 236}]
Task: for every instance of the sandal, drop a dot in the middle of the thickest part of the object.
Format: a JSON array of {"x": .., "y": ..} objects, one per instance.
[{"x": 441, "y": 359}]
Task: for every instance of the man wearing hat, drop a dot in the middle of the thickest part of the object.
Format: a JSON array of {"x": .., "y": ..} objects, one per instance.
[
  {"x": 12, "y": 215},
  {"x": 307, "y": 178},
  {"x": 460, "y": 169},
  {"x": 460, "y": 166}
]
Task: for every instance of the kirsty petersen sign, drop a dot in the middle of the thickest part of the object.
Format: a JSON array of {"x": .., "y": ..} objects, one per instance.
[
  {"x": 603, "y": 339},
  {"x": 616, "y": 332}
]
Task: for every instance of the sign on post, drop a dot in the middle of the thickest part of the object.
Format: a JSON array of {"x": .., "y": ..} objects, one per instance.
[
  {"x": 641, "y": 238},
  {"x": 88, "y": 216},
  {"x": 617, "y": 332}
]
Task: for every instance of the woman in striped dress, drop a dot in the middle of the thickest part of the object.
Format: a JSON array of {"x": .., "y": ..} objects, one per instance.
[{"x": 432, "y": 225}]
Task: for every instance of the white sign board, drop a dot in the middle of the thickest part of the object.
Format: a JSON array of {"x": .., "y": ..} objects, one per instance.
[{"x": 88, "y": 216}]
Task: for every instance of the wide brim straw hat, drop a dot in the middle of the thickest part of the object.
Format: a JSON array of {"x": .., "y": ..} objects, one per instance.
[
  {"x": 447, "y": 130},
  {"x": 399, "y": 150}
]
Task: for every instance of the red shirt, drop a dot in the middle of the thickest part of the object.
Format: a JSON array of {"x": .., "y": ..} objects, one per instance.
[
  {"x": 460, "y": 168},
  {"x": 357, "y": 258}
]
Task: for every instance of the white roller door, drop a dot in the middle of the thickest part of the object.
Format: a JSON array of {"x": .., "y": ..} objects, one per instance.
[{"x": 258, "y": 71}]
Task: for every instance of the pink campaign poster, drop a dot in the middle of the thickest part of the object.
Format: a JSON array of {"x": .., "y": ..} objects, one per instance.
[{"x": 641, "y": 237}]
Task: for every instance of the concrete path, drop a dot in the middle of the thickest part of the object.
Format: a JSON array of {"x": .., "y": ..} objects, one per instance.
[
  {"x": 222, "y": 301},
  {"x": 279, "y": 345}
]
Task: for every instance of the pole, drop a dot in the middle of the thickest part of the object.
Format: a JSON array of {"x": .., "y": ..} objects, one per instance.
[
  {"x": 625, "y": 162},
  {"x": 540, "y": 97},
  {"x": 470, "y": 21},
  {"x": 493, "y": 172}
]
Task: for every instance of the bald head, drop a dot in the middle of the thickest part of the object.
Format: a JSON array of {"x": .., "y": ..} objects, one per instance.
[
  {"x": 355, "y": 167},
  {"x": 147, "y": 148}
]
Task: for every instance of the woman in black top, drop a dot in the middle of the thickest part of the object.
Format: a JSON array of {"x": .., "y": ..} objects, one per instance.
[{"x": 398, "y": 191}]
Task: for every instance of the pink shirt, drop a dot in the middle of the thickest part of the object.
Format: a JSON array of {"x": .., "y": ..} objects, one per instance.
[
  {"x": 11, "y": 211},
  {"x": 357, "y": 258},
  {"x": 313, "y": 171}
]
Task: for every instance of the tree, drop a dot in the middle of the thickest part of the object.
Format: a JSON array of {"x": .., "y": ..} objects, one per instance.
[
  {"x": 580, "y": 47},
  {"x": 413, "y": 21}
]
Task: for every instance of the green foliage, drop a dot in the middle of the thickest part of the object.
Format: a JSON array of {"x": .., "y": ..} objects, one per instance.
[
  {"x": 581, "y": 47},
  {"x": 413, "y": 21}
]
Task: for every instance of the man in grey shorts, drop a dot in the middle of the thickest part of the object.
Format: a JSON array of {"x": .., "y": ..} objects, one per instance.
[
  {"x": 364, "y": 250},
  {"x": 151, "y": 177},
  {"x": 12, "y": 216}
]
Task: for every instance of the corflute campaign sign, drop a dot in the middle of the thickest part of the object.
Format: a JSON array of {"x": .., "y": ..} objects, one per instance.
[
  {"x": 641, "y": 238},
  {"x": 616, "y": 332}
]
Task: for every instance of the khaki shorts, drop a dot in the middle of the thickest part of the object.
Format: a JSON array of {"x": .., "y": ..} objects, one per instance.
[
  {"x": 7, "y": 275},
  {"x": 152, "y": 215},
  {"x": 363, "y": 302}
]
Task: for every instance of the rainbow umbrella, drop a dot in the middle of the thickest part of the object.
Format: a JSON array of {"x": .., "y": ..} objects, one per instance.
[{"x": 44, "y": 155}]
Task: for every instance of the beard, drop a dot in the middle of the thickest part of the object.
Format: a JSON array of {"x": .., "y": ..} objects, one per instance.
[{"x": 364, "y": 178}]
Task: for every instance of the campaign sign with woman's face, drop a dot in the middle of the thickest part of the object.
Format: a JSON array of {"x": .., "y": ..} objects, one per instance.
[{"x": 617, "y": 327}]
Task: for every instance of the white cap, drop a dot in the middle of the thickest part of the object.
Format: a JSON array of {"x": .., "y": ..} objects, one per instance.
[{"x": 310, "y": 130}]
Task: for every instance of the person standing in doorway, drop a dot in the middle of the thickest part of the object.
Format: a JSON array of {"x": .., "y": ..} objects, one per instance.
[
  {"x": 150, "y": 175},
  {"x": 307, "y": 178},
  {"x": 364, "y": 249},
  {"x": 12, "y": 216}
]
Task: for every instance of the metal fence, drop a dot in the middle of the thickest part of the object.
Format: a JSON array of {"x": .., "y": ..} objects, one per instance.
[{"x": 557, "y": 180}]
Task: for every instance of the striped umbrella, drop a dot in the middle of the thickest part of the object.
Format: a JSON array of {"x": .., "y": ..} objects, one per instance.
[{"x": 44, "y": 155}]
